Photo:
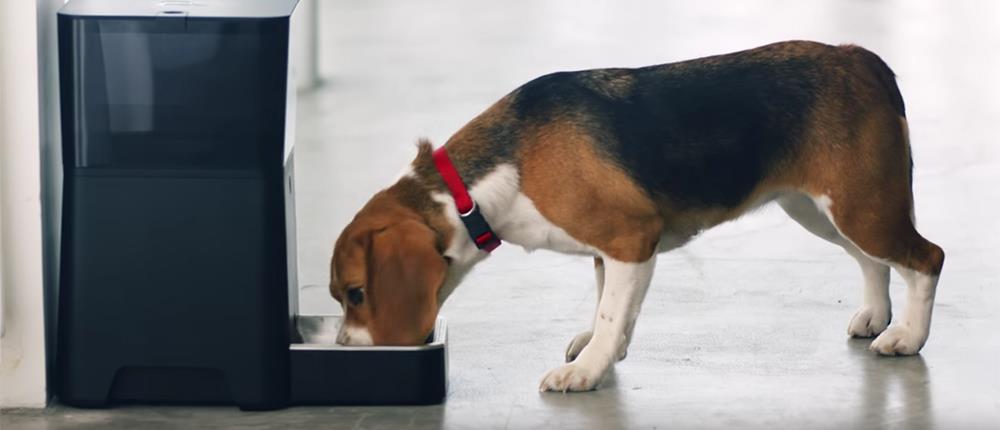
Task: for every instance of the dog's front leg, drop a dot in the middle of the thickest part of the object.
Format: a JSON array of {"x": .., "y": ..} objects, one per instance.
[
  {"x": 581, "y": 340},
  {"x": 625, "y": 286}
]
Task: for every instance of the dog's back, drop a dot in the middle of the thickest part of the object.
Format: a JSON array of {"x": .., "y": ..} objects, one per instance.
[{"x": 705, "y": 133}]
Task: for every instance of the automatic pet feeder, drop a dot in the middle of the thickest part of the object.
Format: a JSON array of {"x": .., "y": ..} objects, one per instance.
[{"x": 177, "y": 267}]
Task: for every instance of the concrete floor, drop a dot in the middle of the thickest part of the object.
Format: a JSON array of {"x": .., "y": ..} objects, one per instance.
[{"x": 744, "y": 327}]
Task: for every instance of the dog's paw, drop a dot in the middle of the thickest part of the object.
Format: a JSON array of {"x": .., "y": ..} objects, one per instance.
[
  {"x": 570, "y": 377},
  {"x": 898, "y": 340},
  {"x": 576, "y": 345},
  {"x": 868, "y": 322},
  {"x": 581, "y": 340}
]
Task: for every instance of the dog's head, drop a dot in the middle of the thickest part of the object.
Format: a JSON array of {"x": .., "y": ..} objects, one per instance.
[{"x": 386, "y": 273}]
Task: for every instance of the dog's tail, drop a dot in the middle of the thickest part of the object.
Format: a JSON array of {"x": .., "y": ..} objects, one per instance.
[{"x": 885, "y": 76}]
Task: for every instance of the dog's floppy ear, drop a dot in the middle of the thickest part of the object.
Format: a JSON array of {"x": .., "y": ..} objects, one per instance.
[{"x": 405, "y": 272}]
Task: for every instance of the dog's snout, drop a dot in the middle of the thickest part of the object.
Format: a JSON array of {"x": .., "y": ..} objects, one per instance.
[{"x": 354, "y": 336}]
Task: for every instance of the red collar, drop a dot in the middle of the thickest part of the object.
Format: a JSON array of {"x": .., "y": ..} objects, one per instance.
[{"x": 468, "y": 211}]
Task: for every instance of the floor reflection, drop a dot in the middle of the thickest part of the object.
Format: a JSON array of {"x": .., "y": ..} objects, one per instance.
[{"x": 895, "y": 391}]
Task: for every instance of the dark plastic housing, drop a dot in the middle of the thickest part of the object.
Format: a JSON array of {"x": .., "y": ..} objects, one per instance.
[
  {"x": 174, "y": 282},
  {"x": 177, "y": 277}
]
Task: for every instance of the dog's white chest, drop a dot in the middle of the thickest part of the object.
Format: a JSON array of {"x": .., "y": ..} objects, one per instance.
[
  {"x": 522, "y": 224},
  {"x": 511, "y": 214}
]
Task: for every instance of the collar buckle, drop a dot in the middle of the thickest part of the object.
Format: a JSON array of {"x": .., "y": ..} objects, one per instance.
[{"x": 479, "y": 230}]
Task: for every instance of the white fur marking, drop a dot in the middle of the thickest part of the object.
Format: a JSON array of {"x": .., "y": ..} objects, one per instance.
[
  {"x": 823, "y": 203},
  {"x": 513, "y": 217},
  {"x": 354, "y": 336},
  {"x": 876, "y": 309},
  {"x": 625, "y": 286},
  {"x": 908, "y": 335},
  {"x": 523, "y": 225}
]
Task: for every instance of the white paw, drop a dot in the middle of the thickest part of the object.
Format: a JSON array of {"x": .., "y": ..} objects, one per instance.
[
  {"x": 571, "y": 377},
  {"x": 868, "y": 322},
  {"x": 898, "y": 340}
]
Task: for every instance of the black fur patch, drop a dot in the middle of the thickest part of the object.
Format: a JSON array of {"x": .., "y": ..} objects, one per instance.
[
  {"x": 500, "y": 149},
  {"x": 700, "y": 133}
]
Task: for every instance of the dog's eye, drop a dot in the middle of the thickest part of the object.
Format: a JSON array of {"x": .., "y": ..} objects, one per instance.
[{"x": 355, "y": 296}]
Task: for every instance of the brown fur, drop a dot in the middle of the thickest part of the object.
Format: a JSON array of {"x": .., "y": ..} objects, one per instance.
[
  {"x": 868, "y": 181},
  {"x": 478, "y": 146},
  {"x": 605, "y": 209},
  {"x": 858, "y": 155},
  {"x": 392, "y": 252}
]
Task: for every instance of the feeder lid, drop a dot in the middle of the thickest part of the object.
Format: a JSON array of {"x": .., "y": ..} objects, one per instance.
[{"x": 181, "y": 8}]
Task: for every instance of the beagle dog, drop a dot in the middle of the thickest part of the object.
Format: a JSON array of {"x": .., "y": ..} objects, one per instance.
[{"x": 624, "y": 164}]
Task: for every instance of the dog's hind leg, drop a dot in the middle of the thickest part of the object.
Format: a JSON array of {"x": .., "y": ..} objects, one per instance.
[
  {"x": 863, "y": 186},
  {"x": 887, "y": 234},
  {"x": 876, "y": 309}
]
